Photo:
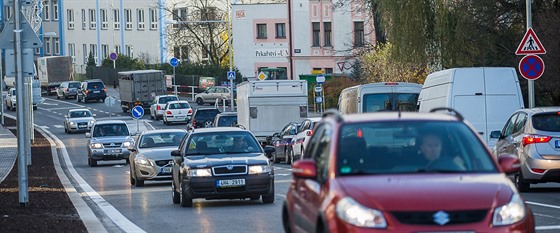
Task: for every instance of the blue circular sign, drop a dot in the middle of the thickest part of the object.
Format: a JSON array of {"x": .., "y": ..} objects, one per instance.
[
  {"x": 531, "y": 67},
  {"x": 113, "y": 56},
  {"x": 174, "y": 61},
  {"x": 137, "y": 112}
]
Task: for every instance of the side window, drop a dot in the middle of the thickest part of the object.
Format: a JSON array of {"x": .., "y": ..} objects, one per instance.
[
  {"x": 508, "y": 129},
  {"x": 520, "y": 122},
  {"x": 322, "y": 152}
]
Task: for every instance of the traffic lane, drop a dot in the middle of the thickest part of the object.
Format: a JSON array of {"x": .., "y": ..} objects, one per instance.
[
  {"x": 544, "y": 201},
  {"x": 62, "y": 106}
]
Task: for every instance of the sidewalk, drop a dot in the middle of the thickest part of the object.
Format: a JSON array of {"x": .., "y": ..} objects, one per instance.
[{"x": 8, "y": 152}]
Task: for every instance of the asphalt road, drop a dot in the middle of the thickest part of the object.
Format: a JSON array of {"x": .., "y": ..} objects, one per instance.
[{"x": 125, "y": 208}]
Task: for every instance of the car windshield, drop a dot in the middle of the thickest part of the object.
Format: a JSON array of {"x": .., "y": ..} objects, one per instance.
[
  {"x": 181, "y": 105},
  {"x": 206, "y": 114},
  {"x": 237, "y": 142},
  {"x": 547, "y": 122},
  {"x": 164, "y": 100},
  {"x": 105, "y": 130},
  {"x": 390, "y": 102},
  {"x": 162, "y": 139},
  {"x": 95, "y": 85},
  {"x": 74, "y": 85},
  {"x": 411, "y": 147},
  {"x": 75, "y": 114},
  {"x": 227, "y": 121}
]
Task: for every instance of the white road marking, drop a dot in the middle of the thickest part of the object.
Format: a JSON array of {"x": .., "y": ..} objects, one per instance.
[
  {"x": 555, "y": 227},
  {"x": 45, "y": 103},
  {"x": 58, "y": 126},
  {"x": 543, "y": 205}
]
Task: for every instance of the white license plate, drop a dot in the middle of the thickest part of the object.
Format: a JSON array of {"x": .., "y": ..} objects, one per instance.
[
  {"x": 230, "y": 183},
  {"x": 166, "y": 170},
  {"x": 113, "y": 151},
  {"x": 557, "y": 143},
  {"x": 82, "y": 126},
  {"x": 95, "y": 91},
  {"x": 180, "y": 117}
]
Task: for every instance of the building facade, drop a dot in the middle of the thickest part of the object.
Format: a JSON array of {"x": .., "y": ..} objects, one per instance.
[{"x": 325, "y": 36}]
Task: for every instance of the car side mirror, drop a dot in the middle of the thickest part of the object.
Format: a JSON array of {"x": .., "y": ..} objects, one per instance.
[
  {"x": 175, "y": 153},
  {"x": 134, "y": 133},
  {"x": 88, "y": 135},
  {"x": 66, "y": 115},
  {"x": 496, "y": 134},
  {"x": 269, "y": 150},
  {"x": 276, "y": 135},
  {"x": 94, "y": 115},
  {"x": 509, "y": 163},
  {"x": 131, "y": 148},
  {"x": 305, "y": 168}
]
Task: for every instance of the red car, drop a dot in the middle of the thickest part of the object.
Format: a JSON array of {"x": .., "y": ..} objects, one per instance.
[{"x": 402, "y": 172}]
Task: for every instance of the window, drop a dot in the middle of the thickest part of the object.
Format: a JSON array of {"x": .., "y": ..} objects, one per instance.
[
  {"x": 327, "y": 31},
  {"x": 71, "y": 49},
  {"x": 328, "y": 70},
  {"x": 93, "y": 50},
  {"x": 7, "y": 13},
  {"x": 261, "y": 31},
  {"x": 153, "y": 19},
  {"x": 55, "y": 10},
  {"x": 116, "y": 19},
  {"x": 46, "y": 11},
  {"x": 47, "y": 45},
  {"x": 70, "y": 15},
  {"x": 92, "y": 20},
  {"x": 208, "y": 13},
  {"x": 280, "y": 30},
  {"x": 129, "y": 51},
  {"x": 117, "y": 49},
  {"x": 140, "y": 19},
  {"x": 128, "y": 19},
  {"x": 56, "y": 46},
  {"x": 205, "y": 53},
  {"x": 181, "y": 53},
  {"x": 358, "y": 34},
  {"x": 37, "y": 51},
  {"x": 104, "y": 19},
  {"x": 104, "y": 51},
  {"x": 179, "y": 15},
  {"x": 83, "y": 19},
  {"x": 85, "y": 53},
  {"x": 316, "y": 33}
]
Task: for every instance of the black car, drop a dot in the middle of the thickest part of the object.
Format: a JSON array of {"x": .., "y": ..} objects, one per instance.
[
  {"x": 204, "y": 117},
  {"x": 283, "y": 143},
  {"x": 221, "y": 163},
  {"x": 226, "y": 119},
  {"x": 92, "y": 89}
]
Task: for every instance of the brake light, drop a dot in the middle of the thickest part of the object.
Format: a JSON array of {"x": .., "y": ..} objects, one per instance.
[
  {"x": 104, "y": 89},
  {"x": 158, "y": 107},
  {"x": 391, "y": 83},
  {"x": 360, "y": 133},
  {"x": 169, "y": 113},
  {"x": 309, "y": 133},
  {"x": 530, "y": 139},
  {"x": 537, "y": 170},
  {"x": 67, "y": 89},
  {"x": 87, "y": 91},
  {"x": 193, "y": 123},
  {"x": 190, "y": 110}
]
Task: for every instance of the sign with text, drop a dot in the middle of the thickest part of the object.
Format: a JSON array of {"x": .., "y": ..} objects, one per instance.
[{"x": 271, "y": 53}]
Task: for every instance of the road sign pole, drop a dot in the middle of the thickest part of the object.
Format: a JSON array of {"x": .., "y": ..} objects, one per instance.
[
  {"x": 531, "y": 83},
  {"x": 174, "y": 84}
]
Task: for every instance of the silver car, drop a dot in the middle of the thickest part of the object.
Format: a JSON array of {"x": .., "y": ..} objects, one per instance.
[
  {"x": 151, "y": 155},
  {"x": 110, "y": 140},
  {"x": 158, "y": 105},
  {"x": 209, "y": 96},
  {"x": 534, "y": 136},
  {"x": 67, "y": 89},
  {"x": 78, "y": 120}
]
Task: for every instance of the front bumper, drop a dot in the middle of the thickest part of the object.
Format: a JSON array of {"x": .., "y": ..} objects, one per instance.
[
  {"x": 152, "y": 171},
  {"x": 116, "y": 153},
  {"x": 76, "y": 128},
  {"x": 206, "y": 187}
]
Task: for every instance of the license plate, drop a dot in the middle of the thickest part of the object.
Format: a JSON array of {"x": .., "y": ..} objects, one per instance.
[
  {"x": 230, "y": 183},
  {"x": 557, "y": 143},
  {"x": 82, "y": 126},
  {"x": 166, "y": 170},
  {"x": 95, "y": 91},
  {"x": 113, "y": 151},
  {"x": 180, "y": 117}
]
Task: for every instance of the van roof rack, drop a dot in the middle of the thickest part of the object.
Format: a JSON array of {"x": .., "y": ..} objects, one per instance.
[
  {"x": 451, "y": 111},
  {"x": 331, "y": 112}
]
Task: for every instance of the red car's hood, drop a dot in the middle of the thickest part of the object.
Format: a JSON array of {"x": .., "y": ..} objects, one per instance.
[{"x": 428, "y": 191}]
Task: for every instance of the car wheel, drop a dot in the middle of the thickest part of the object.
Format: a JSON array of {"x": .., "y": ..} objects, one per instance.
[
  {"x": 185, "y": 200},
  {"x": 522, "y": 184},
  {"x": 208, "y": 124},
  {"x": 267, "y": 199},
  {"x": 57, "y": 96},
  {"x": 34, "y": 107},
  {"x": 255, "y": 198},
  {"x": 92, "y": 162},
  {"x": 199, "y": 101},
  {"x": 127, "y": 160},
  {"x": 275, "y": 158},
  {"x": 65, "y": 96},
  {"x": 286, "y": 219},
  {"x": 290, "y": 158},
  {"x": 151, "y": 116},
  {"x": 132, "y": 180},
  {"x": 139, "y": 183},
  {"x": 176, "y": 196}
]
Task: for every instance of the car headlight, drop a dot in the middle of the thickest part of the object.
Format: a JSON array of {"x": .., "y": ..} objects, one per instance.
[
  {"x": 126, "y": 144},
  {"x": 258, "y": 169},
  {"x": 142, "y": 160},
  {"x": 72, "y": 123},
  {"x": 91, "y": 122},
  {"x": 510, "y": 213},
  {"x": 205, "y": 172},
  {"x": 96, "y": 145},
  {"x": 358, "y": 215}
]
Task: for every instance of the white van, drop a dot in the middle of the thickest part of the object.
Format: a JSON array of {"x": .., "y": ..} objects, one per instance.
[
  {"x": 375, "y": 97},
  {"x": 485, "y": 96}
]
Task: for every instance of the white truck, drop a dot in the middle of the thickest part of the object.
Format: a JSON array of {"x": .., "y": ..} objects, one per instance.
[
  {"x": 35, "y": 95},
  {"x": 140, "y": 87},
  {"x": 54, "y": 70},
  {"x": 264, "y": 107}
]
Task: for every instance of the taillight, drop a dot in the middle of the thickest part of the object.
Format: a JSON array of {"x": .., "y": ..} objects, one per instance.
[
  {"x": 158, "y": 107},
  {"x": 530, "y": 139},
  {"x": 104, "y": 89},
  {"x": 309, "y": 133},
  {"x": 87, "y": 91},
  {"x": 391, "y": 83},
  {"x": 190, "y": 110},
  {"x": 67, "y": 90},
  {"x": 537, "y": 170},
  {"x": 194, "y": 123},
  {"x": 169, "y": 113}
]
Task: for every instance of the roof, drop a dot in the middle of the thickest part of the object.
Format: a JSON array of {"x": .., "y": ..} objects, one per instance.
[
  {"x": 178, "y": 101},
  {"x": 392, "y": 116},
  {"x": 79, "y": 109},
  {"x": 218, "y": 129},
  {"x": 106, "y": 122},
  {"x": 228, "y": 114},
  {"x": 156, "y": 131}
]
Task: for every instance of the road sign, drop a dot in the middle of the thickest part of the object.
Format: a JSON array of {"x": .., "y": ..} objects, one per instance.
[
  {"x": 531, "y": 67},
  {"x": 110, "y": 101},
  {"x": 320, "y": 79},
  {"x": 262, "y": 76},
  {"x": 137, "y": 112},
  {"x": 318, "y": 88},
  {"x": 530, "y": 44},
  {"x": 173, "y": 61},
  {"x": 318, "y": 99},
  {"x": 231, "y": 75},
  {"x": 113, "y": 56},
  {"x": 28, "y": 37}
]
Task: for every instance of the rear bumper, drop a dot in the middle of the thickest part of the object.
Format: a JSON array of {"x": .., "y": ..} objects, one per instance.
[{"x": 551, "y": 174}]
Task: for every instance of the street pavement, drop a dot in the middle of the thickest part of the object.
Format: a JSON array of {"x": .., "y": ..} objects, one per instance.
[{"x": 8, "y": 152}]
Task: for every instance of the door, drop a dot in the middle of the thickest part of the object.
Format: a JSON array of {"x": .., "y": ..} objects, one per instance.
[
  {"x": 473, "y": 109},
  {"x": 504, "y": 144},
  {"x": 498, "y": 109}
]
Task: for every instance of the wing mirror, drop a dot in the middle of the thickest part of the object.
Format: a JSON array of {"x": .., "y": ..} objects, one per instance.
[
  {"x": 276, "y": 135},
  {"x": 65, "y": 115},
  {"x": 306, "y": 169},
  {"x": 496, "y": 134},
  {"x": 88, "y": 135},
  {"x": 509, "y": 163},
  {"x": 175, "y": 153},
  {"x": 94, "y": 115}
]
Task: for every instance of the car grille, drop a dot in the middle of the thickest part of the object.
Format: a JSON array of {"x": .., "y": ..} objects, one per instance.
[
  {"x": 427, "y": 217},
  {"x": 112, "y": 145},
  {"x": 162, "y": 163},
  {"x": 225, "y": 171},
  {"x": 82, "y": 123},
  {"x": 231, "y": 190}
]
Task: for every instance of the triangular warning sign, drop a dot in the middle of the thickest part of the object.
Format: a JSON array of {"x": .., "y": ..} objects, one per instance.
[{"x": 530, "y": 44}]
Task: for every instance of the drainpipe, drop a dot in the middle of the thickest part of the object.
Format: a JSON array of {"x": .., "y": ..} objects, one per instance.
[{"x": 290, "y": 42}]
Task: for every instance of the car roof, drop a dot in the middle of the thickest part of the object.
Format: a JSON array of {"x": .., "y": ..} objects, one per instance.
[
  {"x": 93, "y": 80},
  {"x": 314, "y": 119},
  {"x": 156, "y": 131},
  {"x": 159, "y": 96},
  {"x": 107, "y": 122},
  {"x": 542, "y": 109},
  {"x": 207, "y": 109},
  {"x": 79, "y": 109},
  {"x": 178, "y": 101},
  {"x": 219, "y": 129},
  {"x": 227, "y": 114},
  {"x": 392, "y": 116}
]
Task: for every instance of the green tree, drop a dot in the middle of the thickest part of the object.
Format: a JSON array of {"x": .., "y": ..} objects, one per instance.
[
  {"x": 90, "y": 60},
  {"x": 124, "y": 62}
]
